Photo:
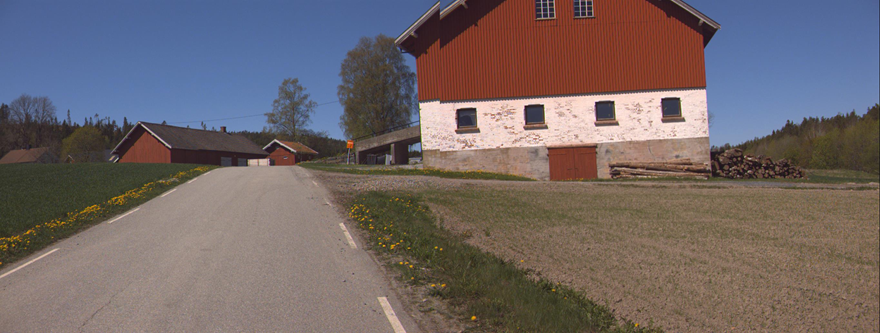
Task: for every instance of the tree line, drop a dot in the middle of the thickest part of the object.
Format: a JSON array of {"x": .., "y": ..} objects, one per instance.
[
  {"x": 32, "y": 122},
  {"x": 845, "y": 141}
]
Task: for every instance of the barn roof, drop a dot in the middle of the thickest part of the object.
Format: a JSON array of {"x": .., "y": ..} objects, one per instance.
[
  {"x": 295, "y": 147},
  {"x": 25, "y": 155},
  {"x": 174, "y": 137},
  {"x": 411, "y": 31}
]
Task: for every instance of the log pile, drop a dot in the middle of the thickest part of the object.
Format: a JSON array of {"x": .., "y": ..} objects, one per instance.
[
  {"x": 734, "y": 164},
  {"x": 680, "y": 168}
]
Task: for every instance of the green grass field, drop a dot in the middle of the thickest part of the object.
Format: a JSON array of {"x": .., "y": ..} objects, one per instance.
[
  {"x": 37, "y": 193},
  {"x": 841, "y": 176}
]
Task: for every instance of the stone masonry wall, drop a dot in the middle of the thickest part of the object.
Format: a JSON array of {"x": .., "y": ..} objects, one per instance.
[{"x": 571, "y": 120}]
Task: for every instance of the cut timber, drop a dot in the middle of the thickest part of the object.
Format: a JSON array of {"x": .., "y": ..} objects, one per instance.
[
  {"x": 663, "y": 166},
  {"x": 654, "y": 173}
]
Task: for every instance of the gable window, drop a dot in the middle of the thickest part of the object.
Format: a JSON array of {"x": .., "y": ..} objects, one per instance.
[
  {"x": 583, "y": 8},
  {"x": 545, "y": 9},
  {"x": 671, "y": 107},
  {"x": 605, "y": 111},
  {"x": 466, "y": 118}
]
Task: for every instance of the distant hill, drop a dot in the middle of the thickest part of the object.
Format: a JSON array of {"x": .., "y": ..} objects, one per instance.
[{"x": 845, "y": 141}]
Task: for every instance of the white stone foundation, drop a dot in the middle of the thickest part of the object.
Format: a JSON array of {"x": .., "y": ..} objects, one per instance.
[{"x": 570, "y": 120}]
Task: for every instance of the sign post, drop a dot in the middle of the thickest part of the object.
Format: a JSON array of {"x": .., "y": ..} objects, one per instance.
[{"x": 349, "y": 145}]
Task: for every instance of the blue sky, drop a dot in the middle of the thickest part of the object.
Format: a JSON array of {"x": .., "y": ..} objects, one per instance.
[{"x": 194, "y": 60}]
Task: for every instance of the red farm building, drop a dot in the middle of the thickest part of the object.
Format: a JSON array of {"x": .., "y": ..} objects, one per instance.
[
  {"x": 288, "y": 152},
  {"x": 560, "y": 89},
  {"x": 154, "y": 143}
]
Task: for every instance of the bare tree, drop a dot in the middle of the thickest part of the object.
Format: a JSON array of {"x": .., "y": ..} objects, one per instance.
[
  {"x": 292, "y": 110},
  {"x": 31, "y": 119}
]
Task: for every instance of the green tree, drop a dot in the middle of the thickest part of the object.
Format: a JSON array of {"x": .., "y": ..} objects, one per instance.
[
  {"x": 292, "y": 110},
  {"x": 86, "y": 144},
  {"x": 378, "y": 88},
  {"x": 826, "y": 151}
]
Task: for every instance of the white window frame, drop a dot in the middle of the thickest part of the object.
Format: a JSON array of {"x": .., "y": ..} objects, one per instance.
[
  {"x": 550, "y": 5},
  {"x": 585, "y": 7}
]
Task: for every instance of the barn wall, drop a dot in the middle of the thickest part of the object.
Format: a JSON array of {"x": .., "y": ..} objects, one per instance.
[
  {"x": 534, "y": 162},
  {"x": 278, "y": 155},
  {"x": 144, "y": 148},
  {"x": 209, "y": 157},
  {"x": 569, "y": 119},
  {"x": 497, "y": 49}
]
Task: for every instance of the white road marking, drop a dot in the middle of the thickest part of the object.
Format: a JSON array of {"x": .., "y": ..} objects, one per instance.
[
  {"x": 28, "y": 263},
  {"x": 167, "y": 193},
  {"x": 194, "y": 179},
  {"x": 348, "y": 236},
  {"x": 123, "y": 215},
  {"x": 392, "y": 318}
]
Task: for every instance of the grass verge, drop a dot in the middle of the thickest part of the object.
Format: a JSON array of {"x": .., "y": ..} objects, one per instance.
[
  {"x": 493, "y": 294},
  {"x": 36, "y": 197},
  {"x": 362, "y": 170}
]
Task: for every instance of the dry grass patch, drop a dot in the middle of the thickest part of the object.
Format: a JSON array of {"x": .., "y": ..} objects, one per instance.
[{"x": 688, "y": 259}]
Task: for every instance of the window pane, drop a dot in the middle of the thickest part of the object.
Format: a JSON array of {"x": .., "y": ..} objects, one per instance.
[
  {"x": 605, "y": 111},
  {"x": 544, "y": 9},
  {"x": 671, "y": 107},
  {"x": 467, "y": 118},
  {"x": 534, "y": 114}
]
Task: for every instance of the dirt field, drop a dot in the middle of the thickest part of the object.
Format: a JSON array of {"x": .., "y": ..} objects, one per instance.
[{"x": 687, "y": 257}]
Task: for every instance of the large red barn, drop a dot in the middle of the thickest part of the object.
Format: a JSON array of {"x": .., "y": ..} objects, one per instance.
[
  {"x": 289, "y": 152},
  {"x": 560, "y": 89},
  {"x": 155, "y": 143}
]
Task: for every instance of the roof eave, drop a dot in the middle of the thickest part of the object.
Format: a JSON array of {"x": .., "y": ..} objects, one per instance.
[
  {"x": 452, "y": 7},
  {"x": 417, "y": 24},
  {"x": 703, "y": 18}
]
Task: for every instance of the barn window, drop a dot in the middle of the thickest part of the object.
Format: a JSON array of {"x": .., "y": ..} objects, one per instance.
[
  {"x": 671, "y": 107},
  {"x": 583, "y": 8},
  {"x": 534, "y": 114},
  {"x": 467, "y": 118},
  {"x": 545, "y": 9},
  {"x": 605, "y": 111}
]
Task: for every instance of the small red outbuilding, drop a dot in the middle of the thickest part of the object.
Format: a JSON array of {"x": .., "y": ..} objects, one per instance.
[
  {"x": 288, "y": 152},
  {"x": 155, "y": 143}
]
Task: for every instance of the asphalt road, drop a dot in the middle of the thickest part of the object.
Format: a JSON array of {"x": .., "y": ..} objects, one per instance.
[{"x": 239, "y": 249}]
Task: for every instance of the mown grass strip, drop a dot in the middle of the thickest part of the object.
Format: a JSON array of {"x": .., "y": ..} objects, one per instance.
[
  {"x": 362, "y": 170},
  {"x": 41, "y": 235},
  {"x": 492, "y": 294}
]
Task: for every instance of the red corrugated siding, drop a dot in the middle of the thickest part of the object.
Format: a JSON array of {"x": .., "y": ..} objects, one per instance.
[
  {"x": 496, "y": 49},
  {"x": 144, "y": 148},
  {"x": 209, "y": 157},
  {"x": 279, "y": 154}
]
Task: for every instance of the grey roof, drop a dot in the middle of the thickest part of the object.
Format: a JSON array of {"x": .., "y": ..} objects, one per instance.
[{"x": 175, "y": 137}]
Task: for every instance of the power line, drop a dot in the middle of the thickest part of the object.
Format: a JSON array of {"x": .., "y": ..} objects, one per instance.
[{"x": 231, "y": 118}]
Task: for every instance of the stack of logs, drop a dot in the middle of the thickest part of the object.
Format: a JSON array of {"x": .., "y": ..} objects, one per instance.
[
  {"x": 733, "y": 164},
  {"x": 680, "y": 168}
]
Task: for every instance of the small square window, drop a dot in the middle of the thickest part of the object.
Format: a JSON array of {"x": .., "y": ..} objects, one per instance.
[
  {"x": 605, "y": 111},
  {"x": 466, "y": 118},
  {"x": 583, "y": 8},
  {"x": 545, "y": 9},
  {"x": 534, "y": 114},
  {"x": 671, "y": 107}
]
